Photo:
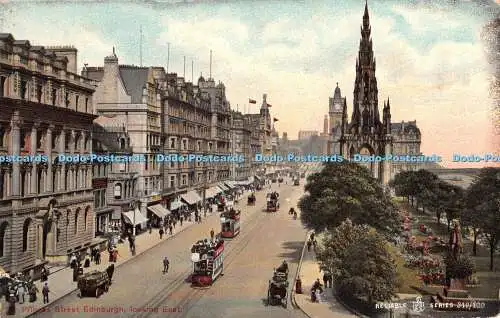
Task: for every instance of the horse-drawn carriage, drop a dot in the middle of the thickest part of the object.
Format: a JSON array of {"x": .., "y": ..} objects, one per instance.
[
  {"x": 94, "y": 283},
  {"x": 272, "y": 202},
  {"x": 277, "y": 292},
  {"x": 251, "y": 199}
]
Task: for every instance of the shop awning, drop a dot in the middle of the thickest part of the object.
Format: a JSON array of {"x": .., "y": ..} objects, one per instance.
[
  {"x": 223, "y": 186},
  {"x": 191, "y": 197},
  {"x": 212, "y": 192},
  {"x": 176, "y": 205},
  {"x": 258, "y": 178},
  {"x": 159, "y": 210},
  {"x": 136, "y": 216},
  {"x": 230, "y": 184}
]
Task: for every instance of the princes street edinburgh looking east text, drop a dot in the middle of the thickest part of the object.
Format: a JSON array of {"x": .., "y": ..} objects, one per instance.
[{"x": 233, "y": 158}]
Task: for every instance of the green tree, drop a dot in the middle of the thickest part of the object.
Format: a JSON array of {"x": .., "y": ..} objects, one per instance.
[
  {"x": 331, "y": 252},
  {"x": 425, "y": 184},
  {"x": 483, "y": 201},
  {"x": 348, "y": 190},
  {"x": 404, "y": 184},
  {"x": 368, "y": 269}
]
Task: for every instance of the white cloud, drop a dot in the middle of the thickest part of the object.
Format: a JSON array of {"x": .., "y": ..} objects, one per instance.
[{"x": 428, "y": 19}]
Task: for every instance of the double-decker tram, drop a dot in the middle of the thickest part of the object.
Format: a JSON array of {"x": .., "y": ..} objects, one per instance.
[
  {"x": 230, "y": 223},
  {"x": 208, "y": 261}
]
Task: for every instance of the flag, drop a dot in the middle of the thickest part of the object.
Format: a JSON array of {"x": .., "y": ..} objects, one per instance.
[
  {"x": 252, "y": 101},
  {"x": 269, "y": 105},
  {"x": 275, "y": 119}
]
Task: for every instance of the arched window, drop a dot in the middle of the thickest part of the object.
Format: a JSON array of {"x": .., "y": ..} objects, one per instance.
[
  {"x": 87, "y": 210},
  {"x": 3, "y": 233},
  {"x": 118, "y": 191},
  {"x": 26, "y": 234},
  {"x": 77, "y": 215}
]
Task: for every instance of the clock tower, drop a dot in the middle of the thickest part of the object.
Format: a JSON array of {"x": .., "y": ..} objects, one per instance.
[{"x": 335, "y": 109}]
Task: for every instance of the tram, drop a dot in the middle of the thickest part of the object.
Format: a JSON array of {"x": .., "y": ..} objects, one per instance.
[
  {"x": 208, "y": 261},
  {"x": 230, "y": 223}
]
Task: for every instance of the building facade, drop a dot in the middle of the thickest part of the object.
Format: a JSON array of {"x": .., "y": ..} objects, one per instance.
[
  {"x": 132, "y": 96},
  {"x": 335, "y": 108},
  {"x": 187, "y": 125},
  {"x": 367, "y": 133},
  {"x": 46, "y": 205},
  {"x": 114, "y": 183},
  {"x": 307, "y": 134},
  {"x": 242, "y": 134}
]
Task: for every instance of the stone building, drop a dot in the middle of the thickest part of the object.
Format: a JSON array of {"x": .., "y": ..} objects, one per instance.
[
  {"x": 242, "y": 134},
  {"x": 196, "y": 121},
  {"x": 46, "y": 204},
  {"x": 253, "y": 124},
  {"x": 187, "y": 126},
  {"x": 131, "y": 95},
  {"x": 307, "y": 134},
  {"x": 367, "y": 133},
  {"x": 335, "y": 107},
  {"x": 114, "y": 183}
]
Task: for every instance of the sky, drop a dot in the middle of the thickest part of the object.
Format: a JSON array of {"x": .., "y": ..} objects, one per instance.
[{"x": 431, "y": 60}]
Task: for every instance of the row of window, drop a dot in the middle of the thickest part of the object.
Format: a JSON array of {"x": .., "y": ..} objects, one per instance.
[
  {"x": 70, "y": 99},
  {"x": 72, "y": 142},
  {"x": 61, "y": 181},
  {"x": 28, "y": 228}
]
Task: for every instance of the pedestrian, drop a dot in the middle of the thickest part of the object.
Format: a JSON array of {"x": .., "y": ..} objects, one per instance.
[
  {"x": 44, "y": 275},
  {"x": 150, "y": 228},
  {"x": 98, "y": 257},
  {"x": 72, "y": 260},
  {"x": 309, "y": 243},
  {"x": 21, "y": 291},
  {"x": 325, "y": 279},
  {"x": 181, "y": 219},
  {"x": 174, "y": 223},
  {"x": 161, "y": 233},
  {"x": 110, "y": 270},
  {"x": 314, "y": 245},
  {"x": 170, "y": 228},
  {"x": 212, "y": 234},
  {"x": 45, "y": 293},
  {"x": 166, "y": 264}
]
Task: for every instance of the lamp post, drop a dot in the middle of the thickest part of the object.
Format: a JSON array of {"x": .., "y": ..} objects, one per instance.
[
  {"x": 205, "y": 187},
  {"x": 134, "y": 205}
]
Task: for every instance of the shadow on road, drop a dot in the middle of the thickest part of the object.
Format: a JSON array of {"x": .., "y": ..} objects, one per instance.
[{"x": 293, "y": 250}]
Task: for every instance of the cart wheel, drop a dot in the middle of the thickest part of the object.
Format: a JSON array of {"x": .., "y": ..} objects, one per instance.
[
  {"x": 285, "y": 301},
  {"x": 97, "y": 292},
  {"x": 106, "y": 288}
]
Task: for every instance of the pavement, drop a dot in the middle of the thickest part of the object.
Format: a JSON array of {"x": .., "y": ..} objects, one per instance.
[
  {"x": 61, "y": 281},
  {"x": 329, "y": 307},
  {"x": 140, "y": 289}
]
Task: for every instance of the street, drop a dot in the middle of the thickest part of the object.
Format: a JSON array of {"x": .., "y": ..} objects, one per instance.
[{"x": 141, "y": 290}]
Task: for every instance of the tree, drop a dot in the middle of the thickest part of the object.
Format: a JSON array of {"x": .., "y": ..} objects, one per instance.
[
  {"x": 348, "y": 190},
  {"x": 483, "y": 201},
  {"x": 368, "y": 269},
  {"x": 425, "y": 183},
  {"x": 404, "y": 185},
  {"x": 331, "y": 252}
]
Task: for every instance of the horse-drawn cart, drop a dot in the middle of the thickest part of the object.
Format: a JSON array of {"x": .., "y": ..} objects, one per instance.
[
  {"x": 277, "y": 292},
  {"x": 94, "y": 283}
]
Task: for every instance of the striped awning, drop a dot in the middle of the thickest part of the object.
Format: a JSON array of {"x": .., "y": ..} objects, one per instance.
[
  {"x": 230, "y": 184},
  {"x": 223, "y": 186},
  {"x": 191, "y": 197},
  {"x": 176, "y": 205},
  {"x": 212, "y": 192},
  {"x": 159, "y": 210},
  {"x": 134, "y": 217}
]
